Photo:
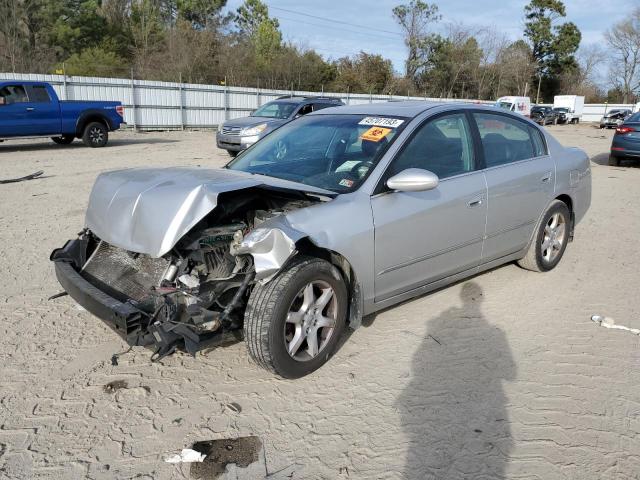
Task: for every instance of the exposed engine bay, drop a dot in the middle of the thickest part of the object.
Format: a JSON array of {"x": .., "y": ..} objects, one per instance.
[{"x": 195, "y": 295}]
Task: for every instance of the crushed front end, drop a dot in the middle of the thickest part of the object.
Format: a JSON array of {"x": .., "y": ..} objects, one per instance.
[{"x": 190, "y": 298}]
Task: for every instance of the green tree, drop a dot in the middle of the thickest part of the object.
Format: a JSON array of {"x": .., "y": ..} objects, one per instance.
[
  {"x": 364, "y": 72},
  {"x": 414, "y": 18},
  {"x": 203, "y": 14},
  {"x": 251, "y": 15},
  {"x": 95, "y": 62},
  {"x": 553, "y": 45}
]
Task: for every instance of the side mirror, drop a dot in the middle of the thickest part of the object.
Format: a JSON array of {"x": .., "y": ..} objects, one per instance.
[
  {"x": 3, "y": 101},
  {"x": 413, "y": 180}
]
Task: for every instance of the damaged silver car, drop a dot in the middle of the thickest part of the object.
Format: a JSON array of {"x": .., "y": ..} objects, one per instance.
[{"x": 370, "y": 205}]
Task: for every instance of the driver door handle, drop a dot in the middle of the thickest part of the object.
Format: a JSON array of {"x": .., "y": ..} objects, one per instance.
[{"x": 30, "y": 109}]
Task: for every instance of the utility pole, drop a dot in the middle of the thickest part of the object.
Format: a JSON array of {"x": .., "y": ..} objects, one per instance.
[{"x": 539, "y": 82}]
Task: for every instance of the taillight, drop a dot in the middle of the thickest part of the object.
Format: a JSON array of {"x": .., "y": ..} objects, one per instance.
[
  {"x": 625, "y": 129},
  {"x": 120, "y": 110}
]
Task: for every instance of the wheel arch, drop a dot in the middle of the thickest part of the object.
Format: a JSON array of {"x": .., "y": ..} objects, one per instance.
[
  {"x": 88, "y": 117},
  {"x": 568, "y": 201},
  {"x": 356, "y": 300}
]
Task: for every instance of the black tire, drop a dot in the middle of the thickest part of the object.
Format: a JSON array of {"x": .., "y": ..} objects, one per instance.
[
  {"x": 95, "y": 135},
  {"x": 267, "y": 309},
  {"x": 232, "y": 153},
  {"x": 614, "y": 161},
  {"x": 534, "y": 259},
  {"x": 63, "y": 140}
]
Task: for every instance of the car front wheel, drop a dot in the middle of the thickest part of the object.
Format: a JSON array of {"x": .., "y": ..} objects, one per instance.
[
  {"x": 550, "y": 240},
  {"x": 293, "y": 323}
]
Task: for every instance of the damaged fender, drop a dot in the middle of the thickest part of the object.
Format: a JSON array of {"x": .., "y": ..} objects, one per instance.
[{"x": 272, "y": 245}]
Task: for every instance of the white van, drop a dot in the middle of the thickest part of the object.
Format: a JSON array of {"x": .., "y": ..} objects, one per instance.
[
  {"x": 521, "y": 105},
  {"x": 570, "y": 107}
]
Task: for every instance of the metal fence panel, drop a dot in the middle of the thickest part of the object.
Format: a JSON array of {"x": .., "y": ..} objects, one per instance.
[{"x": 151, "y": 105}]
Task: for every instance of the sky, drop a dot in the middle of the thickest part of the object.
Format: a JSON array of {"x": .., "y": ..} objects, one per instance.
[{"x": 369, "y": 26}]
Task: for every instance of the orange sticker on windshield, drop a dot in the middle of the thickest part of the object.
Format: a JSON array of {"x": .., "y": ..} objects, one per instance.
[{"x": 375, "y": 134}]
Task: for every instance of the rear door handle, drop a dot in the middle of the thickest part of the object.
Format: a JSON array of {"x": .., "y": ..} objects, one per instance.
[
  {"x": 546, "y": 177},
  {"x": 30, "y": 109},
  {"x": 476, "y": 202}
]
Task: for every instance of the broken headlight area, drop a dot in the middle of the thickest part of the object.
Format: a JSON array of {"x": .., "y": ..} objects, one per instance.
[{"x": 191, "y": 298}]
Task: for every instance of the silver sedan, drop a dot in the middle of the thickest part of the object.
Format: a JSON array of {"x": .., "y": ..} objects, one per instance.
[{"x": 371, "y": 205}]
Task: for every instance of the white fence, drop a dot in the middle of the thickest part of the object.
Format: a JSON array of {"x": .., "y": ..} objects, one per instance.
[{"x": 164, "y": 105}]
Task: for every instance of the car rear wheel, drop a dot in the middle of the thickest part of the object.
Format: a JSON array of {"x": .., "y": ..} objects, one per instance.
[
  {"x": 63, "y": 140},
  {"x": 550, "y": 240},
  {"x": 614, "y": 161},
  {"x": 95, "y": 135},
  {"x": 293, "y": 323}
]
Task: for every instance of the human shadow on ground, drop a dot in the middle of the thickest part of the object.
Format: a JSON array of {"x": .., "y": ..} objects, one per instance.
[{"x": 453, "y": 411}]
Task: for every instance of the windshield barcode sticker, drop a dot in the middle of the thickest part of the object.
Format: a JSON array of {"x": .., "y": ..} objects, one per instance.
[{"x": 381, "y": 122}]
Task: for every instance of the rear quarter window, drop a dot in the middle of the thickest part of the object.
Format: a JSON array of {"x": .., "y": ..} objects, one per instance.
[{"x": 39, "y": 94}]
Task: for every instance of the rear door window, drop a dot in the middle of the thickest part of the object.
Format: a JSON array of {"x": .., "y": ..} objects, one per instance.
[
  {"x": 504, "y": 139},
  {"x": 39, "y": 94}
]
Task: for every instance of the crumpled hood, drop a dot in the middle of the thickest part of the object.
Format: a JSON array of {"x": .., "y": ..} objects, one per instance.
[{"x": 149, "y": 210}]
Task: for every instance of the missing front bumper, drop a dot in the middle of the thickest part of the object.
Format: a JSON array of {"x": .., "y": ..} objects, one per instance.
[{"x": 136, "y": 326}]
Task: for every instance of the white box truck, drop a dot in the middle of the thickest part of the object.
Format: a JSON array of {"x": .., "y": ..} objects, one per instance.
[
  {"x": 569, "y": 108},
  {"x": 521, "y": 105}
]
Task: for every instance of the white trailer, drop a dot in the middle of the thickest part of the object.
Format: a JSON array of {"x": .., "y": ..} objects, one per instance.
[{"x": 574, "y": 104}]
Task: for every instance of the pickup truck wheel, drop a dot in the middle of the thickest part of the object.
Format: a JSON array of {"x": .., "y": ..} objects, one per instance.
[
  {"x": 95, "y": 135},
  {"x": 63, "y": 140},
  {"x": 293, "y": 323}
]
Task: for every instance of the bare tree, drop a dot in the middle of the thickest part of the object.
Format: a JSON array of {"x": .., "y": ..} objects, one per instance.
[{"x": 624, "y": 40}]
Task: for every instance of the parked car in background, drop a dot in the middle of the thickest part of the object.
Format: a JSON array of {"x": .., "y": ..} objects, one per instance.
[
  {"x": 614, "y": 118},
  {"x": 368, "y": 206},
  {"x": 240, "y": 133},
  {"x": 544, "y": 115},
  {"x": 32, "y": 109},
  {"x": 626, "y": 140},
  {"x": 569, "y": 108},
  {"x": 521, "y": 105}
]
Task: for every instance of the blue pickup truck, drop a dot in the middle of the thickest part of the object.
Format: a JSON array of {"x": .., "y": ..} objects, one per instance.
[{"x": 32, "y": 109}]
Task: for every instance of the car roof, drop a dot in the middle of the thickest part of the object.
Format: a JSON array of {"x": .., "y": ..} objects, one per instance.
[{"x": 410, "y": 109}]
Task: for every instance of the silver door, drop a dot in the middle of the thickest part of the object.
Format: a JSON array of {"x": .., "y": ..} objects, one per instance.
[
  {"x": 520, "y": 181},
  {"x": 421, "y": 237}
]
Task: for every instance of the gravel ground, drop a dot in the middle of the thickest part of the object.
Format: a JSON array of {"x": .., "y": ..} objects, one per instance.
[{"x": 501, "y": 376}]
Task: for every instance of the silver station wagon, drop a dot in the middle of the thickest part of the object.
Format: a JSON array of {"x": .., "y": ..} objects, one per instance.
[{"x": 371, "y": 205}]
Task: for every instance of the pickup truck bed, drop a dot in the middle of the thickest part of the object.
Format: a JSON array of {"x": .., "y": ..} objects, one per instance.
[{"x": 32, "y": 109}]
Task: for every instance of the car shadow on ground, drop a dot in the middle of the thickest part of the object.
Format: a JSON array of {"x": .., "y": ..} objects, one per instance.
[
  {"x": 453, "y": 411},
  {"x": 8, "y": 146},
  {"x": 603, "y": 159}
]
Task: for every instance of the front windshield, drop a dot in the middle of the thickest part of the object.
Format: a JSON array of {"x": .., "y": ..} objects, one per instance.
[
  {"x": 333, "y": 152},
  {"x": 505, "y": 105},
  {"x": 275, "y": 110}
]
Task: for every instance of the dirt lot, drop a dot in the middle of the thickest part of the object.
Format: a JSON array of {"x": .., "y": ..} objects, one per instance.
[{"x": 504, "y": 375}]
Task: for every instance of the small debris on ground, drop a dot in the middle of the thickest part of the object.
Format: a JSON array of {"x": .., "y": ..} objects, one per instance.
[
  {"x": 22, "y": 179},
  {"x": 114, "y": 386},
  {"x": 608, "y": 322},
  {"x": 186, "y": 456}
]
